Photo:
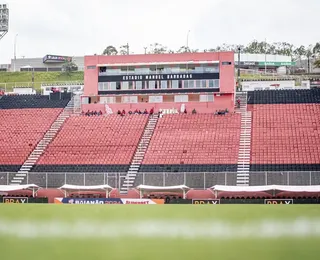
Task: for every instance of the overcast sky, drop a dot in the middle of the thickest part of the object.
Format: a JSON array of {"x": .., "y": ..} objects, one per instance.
[{"x": 79, "y": 27}]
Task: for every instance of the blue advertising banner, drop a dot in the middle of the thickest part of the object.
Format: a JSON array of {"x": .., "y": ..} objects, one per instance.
[{"x": 87, "y": 201}]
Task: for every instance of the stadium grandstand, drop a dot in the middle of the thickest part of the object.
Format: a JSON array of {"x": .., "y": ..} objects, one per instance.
[{"x": 161, "y": 120}]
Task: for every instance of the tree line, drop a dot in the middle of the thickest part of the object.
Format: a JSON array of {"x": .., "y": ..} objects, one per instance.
[{"x": 254, "y": 47}]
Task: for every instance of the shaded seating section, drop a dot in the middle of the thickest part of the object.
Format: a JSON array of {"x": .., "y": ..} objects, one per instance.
[
  {"x": 21, "y": 130},
  {"x": 34, "y": 101},
  {"x": 93, "y": 144},
  {"x": 284, "y": 96},
  {"x": 286, "y": 137},
  {"x": 194, "y": 143}
]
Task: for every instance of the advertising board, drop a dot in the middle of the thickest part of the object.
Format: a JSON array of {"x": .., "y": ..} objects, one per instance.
[
  {"x": 107, "y": 201},
  {"x": 278, "y": 201},
  {"x": 206, "y": 201},
  {"x": 15, "y": 200}
]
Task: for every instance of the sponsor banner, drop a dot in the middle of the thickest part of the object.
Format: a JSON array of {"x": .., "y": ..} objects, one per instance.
[
  {"x": 107, "y": 201},
  {"x": 315, "y": 83},
  {"x": 208, "y": 201},
  {"x": 14, "y": 200},
  {"x": 247, "y": 63},
  {"x": 154, "y": 77},
  {"x": 56, "y": 58},
  {"x": 277, "y": 63},
  {"x": 278, "y": 201}
]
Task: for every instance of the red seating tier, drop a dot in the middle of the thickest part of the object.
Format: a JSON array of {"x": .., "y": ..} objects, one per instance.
[
  {"x": 96, "y": 140},
  {"x": 195, "y": 139},
  {"x": 21, "y": 130},
  {"x": 286, "y": 134}
]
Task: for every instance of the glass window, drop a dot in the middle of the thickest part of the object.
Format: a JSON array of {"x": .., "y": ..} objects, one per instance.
[
  {"x": 113, "y": 72},
  {"x": 130, "y": 85},
  {"x": 206, "y": 98},
  {"x": 138, "y": 84},
  {"x": 211, "y": 83},
  {"x": 174, "y": 84},
  {"x": 107, "y": 100},
  {"x": 175, "y": 70},
  {"x": 181, "y": 98},
  {"x": 155, "y": 99},
  {"x": 125, "y": 85},
  {"x": 214, "y": 83},
  {"x": 152, "y": 84},
  {"x": 129, "y": 99},
  {"x": 113, "y": 85},
  {"x": 163, "y": 84},
  {"x": 100, "y": 86},
  {"x": 199, "y": 69},
  {"x": 190, "y": 83},
  {"x": 141, "y": 71}
]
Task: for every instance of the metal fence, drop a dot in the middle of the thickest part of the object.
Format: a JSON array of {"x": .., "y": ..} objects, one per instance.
[{"x": 198, "y": 180}]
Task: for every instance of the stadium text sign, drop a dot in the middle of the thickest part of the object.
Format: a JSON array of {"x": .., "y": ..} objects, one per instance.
[
  {"x": 208, "y": 201},
  {"x": 14, "y": 200},
  {"x": 278, "y": 201}
]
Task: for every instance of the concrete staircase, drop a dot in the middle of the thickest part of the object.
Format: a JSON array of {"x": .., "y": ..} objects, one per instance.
[
  {"x": 77, "y": 104},
  {"x": 243, "y": 176},
  {"x": 129, "y": 179},
  {"x": 243, "y": 102},
  {"x": 244, "y": 150},
  {"x": 19, "y": 177}
]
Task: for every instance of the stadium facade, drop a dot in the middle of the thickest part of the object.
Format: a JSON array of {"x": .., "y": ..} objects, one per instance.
[{"x": 205, "y": 79}]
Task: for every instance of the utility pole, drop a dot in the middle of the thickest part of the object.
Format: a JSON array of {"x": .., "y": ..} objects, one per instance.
[
  {"x": 188, "y": 40},
  {"x": 239, "y": 57},
  {"x": 15, "y": 52},
  {"x": 128, "y": 49}
]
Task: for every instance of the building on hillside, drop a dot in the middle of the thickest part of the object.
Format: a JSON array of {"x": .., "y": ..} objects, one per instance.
[
  {"x": 253, "y": 62},
  {"x": 204, "y": 81},
  {"x": 47, "y": 63},
  {"x": 262, "y": 62}
]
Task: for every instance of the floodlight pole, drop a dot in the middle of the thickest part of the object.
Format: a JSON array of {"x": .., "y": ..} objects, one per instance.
[{"x": 4, "y": 23}]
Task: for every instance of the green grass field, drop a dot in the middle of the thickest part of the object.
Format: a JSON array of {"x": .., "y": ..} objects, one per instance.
[
  {"x": 9, "y": 79},
  {"x": 159, "y": 232}
]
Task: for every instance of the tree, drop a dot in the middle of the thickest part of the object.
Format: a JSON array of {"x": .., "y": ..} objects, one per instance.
[
  {"x": 68, "y": 67},
  {"x": 110, "y": 50},
  {"x": 157, "y": 48},
  {"x": 124, "y": 49},
  {"x": 317, "y": 63},
  {"x": 316, "y": 49},
  {"x": 183, "y": 49},
  {"x": 299, "y": 52}
]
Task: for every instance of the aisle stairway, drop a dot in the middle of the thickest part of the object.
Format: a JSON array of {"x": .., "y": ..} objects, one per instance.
[
  {"x": 244, "y": 150},
  {"x": 243, "y": 102},
  {"x": 19, "y": 177},
  {"x": 139, "y": 154}
]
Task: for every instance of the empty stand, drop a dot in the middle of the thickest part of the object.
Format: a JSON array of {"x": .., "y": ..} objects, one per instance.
[
  {"x": 94, "y": 144},
  {"x": 284, "y": 96},
  {"x": 193, "y": 143},
  {"x": 33, "y": 101},
  {"x": 286, "y": 137},
  {"x": 41, "y": 146},
  {"x": 21, "y": 130}
]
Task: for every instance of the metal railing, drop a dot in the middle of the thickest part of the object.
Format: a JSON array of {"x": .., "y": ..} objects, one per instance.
[{"x": 198, "y": 180}]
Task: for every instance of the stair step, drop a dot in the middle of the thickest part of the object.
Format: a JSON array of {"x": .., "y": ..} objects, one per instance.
[
  {"x": 20, "y": 174},
  {"x": 127, "y": 185},
  {"x": 18, "y": 178},
  {"x": 15, "y": 181}
]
